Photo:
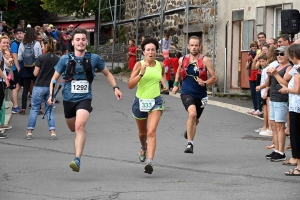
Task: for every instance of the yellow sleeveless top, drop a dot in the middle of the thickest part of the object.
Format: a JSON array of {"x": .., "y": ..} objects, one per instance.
[{"x": 148, "y": 86}]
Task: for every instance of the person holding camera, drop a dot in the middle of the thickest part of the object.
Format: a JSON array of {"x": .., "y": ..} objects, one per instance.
[{"x": 252, "y": 78}]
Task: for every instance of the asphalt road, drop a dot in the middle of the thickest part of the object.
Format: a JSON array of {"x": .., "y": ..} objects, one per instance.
[{"x": 228, "y": 161}]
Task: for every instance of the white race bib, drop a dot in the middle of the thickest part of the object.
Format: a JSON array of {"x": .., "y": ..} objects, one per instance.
[
  {"x": 146, "y": 104},
  {"x": 81, "y": 86}
]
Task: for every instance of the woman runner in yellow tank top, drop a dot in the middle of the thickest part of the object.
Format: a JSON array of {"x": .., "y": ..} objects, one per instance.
[{"x": 148, "y": 105}]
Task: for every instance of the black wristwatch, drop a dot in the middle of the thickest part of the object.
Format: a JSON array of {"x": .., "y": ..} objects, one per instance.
[{"x": 115, "y": 87}]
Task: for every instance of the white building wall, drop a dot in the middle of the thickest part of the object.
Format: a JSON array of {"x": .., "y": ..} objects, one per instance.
[{"x": 225, "y": 8}]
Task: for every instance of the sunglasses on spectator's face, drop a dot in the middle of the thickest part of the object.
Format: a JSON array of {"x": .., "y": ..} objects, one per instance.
[{"x": 280, "y": 54}]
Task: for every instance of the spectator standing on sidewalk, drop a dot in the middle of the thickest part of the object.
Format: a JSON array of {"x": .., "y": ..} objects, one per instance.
[
  {"x": 131, "y": 53},
  {"x": 293, "y": 90},
  {"x": 283, "y": 40},
  {"x": 4, "y": 45},
  {"x": 272, "y": 42},
  {"x": 278, "y": 103},
  {"x": 43, "y": 71},
  {"x": 252, "y": 78},
  {"x": 14, "y": 48},
  {"x": 262, "y": 59},
  {"x": 26, "y": 72}
]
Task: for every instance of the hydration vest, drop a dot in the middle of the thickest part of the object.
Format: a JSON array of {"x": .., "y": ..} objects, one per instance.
[
  {"x": 201, "y": 67},
  {"x": 85, "y": 64}
]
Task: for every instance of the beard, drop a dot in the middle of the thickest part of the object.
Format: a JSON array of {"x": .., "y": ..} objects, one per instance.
[{"x": 194, "y": 53}]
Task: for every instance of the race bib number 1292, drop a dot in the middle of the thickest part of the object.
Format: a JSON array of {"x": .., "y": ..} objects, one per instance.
[{"x": 79, "y": 86}]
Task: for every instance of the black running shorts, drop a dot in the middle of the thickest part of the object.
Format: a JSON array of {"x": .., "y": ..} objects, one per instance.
[
  {"x": 188, "y": 100},
  {"x": 70, "y": 108}
]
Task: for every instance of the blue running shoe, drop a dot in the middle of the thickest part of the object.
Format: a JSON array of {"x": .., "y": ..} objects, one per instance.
[
  {"x": 75, "y": 165},
  {"x": 15, "y": 110}
]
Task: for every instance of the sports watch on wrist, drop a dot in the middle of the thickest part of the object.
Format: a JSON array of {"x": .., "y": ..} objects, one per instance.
[{"x": 115, "y": 87}]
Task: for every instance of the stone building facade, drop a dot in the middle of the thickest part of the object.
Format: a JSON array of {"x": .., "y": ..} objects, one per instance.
[{"x": 201, "y": 22}]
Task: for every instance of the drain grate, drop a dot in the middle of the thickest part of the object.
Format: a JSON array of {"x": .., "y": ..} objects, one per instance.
[{"x": 250, "y": 137}]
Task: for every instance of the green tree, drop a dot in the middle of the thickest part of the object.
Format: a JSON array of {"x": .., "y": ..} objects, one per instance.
[
  {"x": 68, "y": 7},
  {"x": 28, "y": 10}
]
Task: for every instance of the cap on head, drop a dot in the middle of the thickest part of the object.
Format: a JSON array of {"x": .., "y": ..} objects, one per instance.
[
  {"x": 17, "y": 30},
  {"x": 281, "y": 49}
]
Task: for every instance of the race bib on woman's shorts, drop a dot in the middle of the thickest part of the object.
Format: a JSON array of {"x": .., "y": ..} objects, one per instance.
[{"x": 146, "y": 104}]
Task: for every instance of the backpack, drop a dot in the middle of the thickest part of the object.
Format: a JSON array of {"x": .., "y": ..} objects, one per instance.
[
  {"x": 186, "y": 63},
  {"x": 28, "y": 55}
]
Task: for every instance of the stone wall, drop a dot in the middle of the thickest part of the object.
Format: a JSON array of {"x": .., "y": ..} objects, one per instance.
[{"x": 200, "y": 20}]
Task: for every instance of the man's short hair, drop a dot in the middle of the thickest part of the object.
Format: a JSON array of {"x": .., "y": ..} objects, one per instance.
[
  {"x": 261, "y": 33},
  {"x": 79, "y": 31},
  {"x": 285, "y": 37},
  {"x": 195, "y": 38},
  {"x": 274, "y": 40}
]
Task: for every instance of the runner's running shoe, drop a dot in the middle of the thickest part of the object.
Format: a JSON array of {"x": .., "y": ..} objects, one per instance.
[
  {"x": 148, "y": 168},
  {"x": 75, "y": 165},
  {"x": 189, "y": 148},
  {"x": 142, "y": 155}
]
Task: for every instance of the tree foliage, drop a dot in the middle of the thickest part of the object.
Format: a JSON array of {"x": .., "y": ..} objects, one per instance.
[
  {"x": 3, "y": 4},
  {"x": 28, "y": 10},
  {"x": 70, "y": 7}
]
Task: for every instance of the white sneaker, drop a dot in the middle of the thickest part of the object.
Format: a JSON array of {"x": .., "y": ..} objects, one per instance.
[
  {"x": 257, "y": 130},
  {"x": 263, "y": 133},
  {"x": 269, "y": 132}
]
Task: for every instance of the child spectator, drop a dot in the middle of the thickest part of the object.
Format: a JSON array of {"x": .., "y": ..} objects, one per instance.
[
  {"x": 264, "y": 93},
  {"x": 174, "y": 62}
]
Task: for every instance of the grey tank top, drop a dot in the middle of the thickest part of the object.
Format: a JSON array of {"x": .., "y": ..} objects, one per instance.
[{"x": 275, "y": 95}]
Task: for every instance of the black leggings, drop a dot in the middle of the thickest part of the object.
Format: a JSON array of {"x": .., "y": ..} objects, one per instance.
[
  {"x": 2, "y": 94},
  {"x": 25, "y": 82},
  {"x": 295, "y": 134}
]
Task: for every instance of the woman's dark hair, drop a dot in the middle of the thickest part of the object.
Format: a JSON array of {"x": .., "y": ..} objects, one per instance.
[
  {"x": 29, "y": 36},
  {"x": 150, "y": 41},
  {"x": 50, "y": 48}
]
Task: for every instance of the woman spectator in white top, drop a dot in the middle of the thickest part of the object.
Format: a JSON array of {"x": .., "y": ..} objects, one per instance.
[{"x": 293, "y": 89}]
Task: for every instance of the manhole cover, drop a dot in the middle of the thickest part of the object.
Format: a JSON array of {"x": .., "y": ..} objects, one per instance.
[{"x": 250, "y": 137}]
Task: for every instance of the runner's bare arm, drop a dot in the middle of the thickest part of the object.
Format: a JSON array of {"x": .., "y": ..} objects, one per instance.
[
  {"x": 211, "y": 71},
  {"x": 111, "y": 80},
  {"x": 163, "y": 78},
  {"x": 134, "y": 76},
  {"x": 175, "y": 84}
]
